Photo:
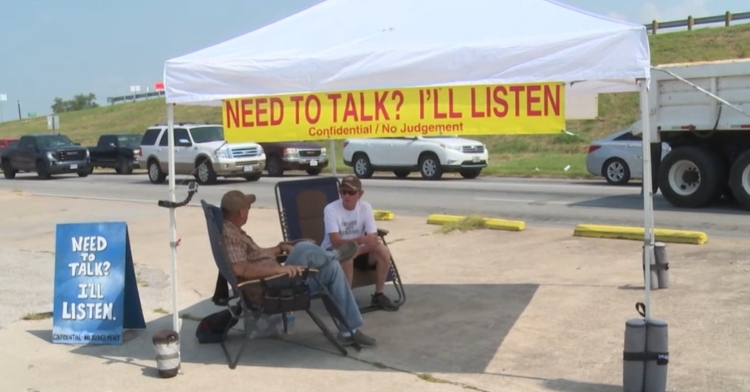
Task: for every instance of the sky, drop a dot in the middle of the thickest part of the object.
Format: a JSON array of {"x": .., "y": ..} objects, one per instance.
[{"x": 54, "y": 48}]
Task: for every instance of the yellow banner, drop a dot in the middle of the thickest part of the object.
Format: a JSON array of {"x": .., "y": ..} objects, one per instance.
[{"x": 533, "y": 108}]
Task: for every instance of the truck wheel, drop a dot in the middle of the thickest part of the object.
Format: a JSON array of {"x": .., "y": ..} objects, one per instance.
[
  {"x": 274, "y": 166},
  {"x": 41, "y": 170},
  {"x": 616, "y": 171},
  {"x": 692, "y": 177},
  {"x": 429, "y": 166},
  {"x": 470, "y": 173},
  {"x": 362, "y": 166},
  {"x": 155, "y": 175},
  {"x": 123, "y": 167},
  {"x": 204, "y": 172},
  {"x": 739, "y": 180},
  {"x": 8, "y": 171}
]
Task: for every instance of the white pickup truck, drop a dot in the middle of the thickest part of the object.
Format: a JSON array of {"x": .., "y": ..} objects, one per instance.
[{"x": 702, "y": 111}]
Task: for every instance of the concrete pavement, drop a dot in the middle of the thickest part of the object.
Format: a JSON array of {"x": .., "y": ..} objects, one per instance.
[{"x": 536, "y": 310}]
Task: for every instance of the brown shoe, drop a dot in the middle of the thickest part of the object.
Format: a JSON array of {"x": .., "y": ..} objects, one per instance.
[
  {"x": 359, "y": 337},
  {"x": 347, "y": 250}
]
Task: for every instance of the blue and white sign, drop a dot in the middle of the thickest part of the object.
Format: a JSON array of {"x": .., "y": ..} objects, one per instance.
[{"x": 96, "y": 294}]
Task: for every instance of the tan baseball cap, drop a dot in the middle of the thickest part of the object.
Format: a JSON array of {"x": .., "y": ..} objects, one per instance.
[
  {"x": 351, "y": 183},
  {"x": 235, "y": 200}
]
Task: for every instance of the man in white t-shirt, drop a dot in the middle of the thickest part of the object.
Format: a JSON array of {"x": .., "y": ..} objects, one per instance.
[{"x": 350, "y": 218}]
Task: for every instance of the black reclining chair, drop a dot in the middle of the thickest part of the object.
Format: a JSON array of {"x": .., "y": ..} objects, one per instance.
[
  {"x": 300, "y": 204},
  {"x": 281, "y": 293}
]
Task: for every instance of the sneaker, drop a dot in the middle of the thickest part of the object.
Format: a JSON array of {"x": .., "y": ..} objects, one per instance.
[
  {"x": 347, "y": 250},
  {"x": 383, "y": 302},
  {"x": 359, "y": 337}
]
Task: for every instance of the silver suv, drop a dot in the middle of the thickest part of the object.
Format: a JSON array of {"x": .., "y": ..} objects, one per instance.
[{"x": 200, "y": 150}]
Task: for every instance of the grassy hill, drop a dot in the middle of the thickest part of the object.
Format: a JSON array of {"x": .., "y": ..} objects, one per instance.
[{"x": 510, "y": 155}]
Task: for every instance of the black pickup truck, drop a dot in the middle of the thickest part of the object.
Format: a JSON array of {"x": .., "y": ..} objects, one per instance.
[
  {"x": 117, "y": 151},
  {"x": 45, "y": 154}
]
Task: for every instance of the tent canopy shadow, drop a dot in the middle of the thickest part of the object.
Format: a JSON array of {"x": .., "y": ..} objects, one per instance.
[{"x": 446, "y": 328}]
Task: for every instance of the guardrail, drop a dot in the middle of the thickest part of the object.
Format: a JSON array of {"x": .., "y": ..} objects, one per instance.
[
  {"x": 727, "y": 18},
  {"x": 134, "y": 97}
]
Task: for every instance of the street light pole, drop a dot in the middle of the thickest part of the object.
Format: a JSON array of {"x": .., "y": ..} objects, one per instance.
[{"x": 3, "y": 98}]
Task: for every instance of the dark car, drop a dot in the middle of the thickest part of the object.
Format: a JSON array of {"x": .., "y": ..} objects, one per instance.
[
  {"x": 281, "y": 156},
  {"x": 45, "y": 154},
  {"x": 117, "y": 151}
]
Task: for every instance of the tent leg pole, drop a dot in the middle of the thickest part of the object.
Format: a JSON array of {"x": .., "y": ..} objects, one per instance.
[
  {"x": 172, "y": 216},
  {"x": 333, "y": 157},
  {"x": 648, "y": 205}
]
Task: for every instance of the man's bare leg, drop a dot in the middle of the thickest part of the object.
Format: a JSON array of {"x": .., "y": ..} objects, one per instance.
[
  {"x": 381, "y": 258},
  {"x": 348, "y": 267}
]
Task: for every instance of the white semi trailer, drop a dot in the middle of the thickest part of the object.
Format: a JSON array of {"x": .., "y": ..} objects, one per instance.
[{"x": 702, "y": 110}]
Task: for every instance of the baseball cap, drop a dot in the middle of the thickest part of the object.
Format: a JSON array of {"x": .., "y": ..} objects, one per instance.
[
  {"x": 234, "y": 201},
  {"x": 351, "y": 183}
]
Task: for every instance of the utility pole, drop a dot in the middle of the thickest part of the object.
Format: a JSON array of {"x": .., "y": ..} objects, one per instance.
[{"x": 19, "y": 109}]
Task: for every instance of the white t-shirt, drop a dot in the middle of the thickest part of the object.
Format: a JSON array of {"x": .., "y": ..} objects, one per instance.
[{"x": 349, "y": 224}]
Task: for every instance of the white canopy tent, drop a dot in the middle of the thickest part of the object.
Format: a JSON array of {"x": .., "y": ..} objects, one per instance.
[{"x": 361, "y": 44}]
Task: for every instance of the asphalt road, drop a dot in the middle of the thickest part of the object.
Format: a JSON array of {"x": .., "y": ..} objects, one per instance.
[{"x": 538, "y": 202}]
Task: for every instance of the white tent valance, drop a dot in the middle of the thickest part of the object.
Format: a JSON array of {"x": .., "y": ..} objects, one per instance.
[{"x": 359, "y": 44}]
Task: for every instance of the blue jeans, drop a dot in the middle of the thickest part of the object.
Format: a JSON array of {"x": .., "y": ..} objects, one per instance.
[{"x": 330, "y": 275}]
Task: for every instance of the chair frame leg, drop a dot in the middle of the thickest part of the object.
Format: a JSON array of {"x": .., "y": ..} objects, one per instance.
[
  {"x": 247, "y": 318},
  {"x": 327, "y": 333}
]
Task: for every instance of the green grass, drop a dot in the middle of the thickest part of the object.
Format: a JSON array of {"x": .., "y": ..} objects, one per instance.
[
  {"x": 469, "y": 223},
  {"x": 526, "y": 156},
  {"x": 37, "y": 316}
]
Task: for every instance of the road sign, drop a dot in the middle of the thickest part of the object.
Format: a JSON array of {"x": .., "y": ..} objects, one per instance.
[
  {"x": 3, "y": 97},
  {"x": 31, "y": 114},
  {"x": 53, "y": 122}
]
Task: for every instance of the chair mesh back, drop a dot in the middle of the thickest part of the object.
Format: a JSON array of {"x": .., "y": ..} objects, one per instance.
[
  {"x": 301, "y": 204},
  {"x": 310, "y": 204},
  {"x": 214, "y": 222}
]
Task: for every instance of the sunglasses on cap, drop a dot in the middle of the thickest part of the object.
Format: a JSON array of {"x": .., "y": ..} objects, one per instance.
[{"x": 345, "y": 192}]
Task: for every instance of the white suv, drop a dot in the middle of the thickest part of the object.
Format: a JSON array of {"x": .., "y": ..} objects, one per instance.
[
  {"x": 200, "y": 150},
  {"x": 431, "y": 156}
]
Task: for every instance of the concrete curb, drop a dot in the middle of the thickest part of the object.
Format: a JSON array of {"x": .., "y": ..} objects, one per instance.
[
  {"x": 383, "y": 215},
  {"x": 490, "y": 223},
  {"x": 637, "y": 233}
]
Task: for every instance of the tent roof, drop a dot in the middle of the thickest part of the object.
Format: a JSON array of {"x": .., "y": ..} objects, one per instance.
[{"x": 360, "y": 44}]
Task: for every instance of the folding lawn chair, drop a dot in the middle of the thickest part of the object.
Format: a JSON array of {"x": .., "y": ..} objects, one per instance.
[
  {"x": 282, "y": 294},
  {"x": 300, "y": 204}
]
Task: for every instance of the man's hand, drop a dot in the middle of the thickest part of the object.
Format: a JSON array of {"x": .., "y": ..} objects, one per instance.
[
  {"x": 286, "y": 248},
  {"x": 291, "y": 270}
]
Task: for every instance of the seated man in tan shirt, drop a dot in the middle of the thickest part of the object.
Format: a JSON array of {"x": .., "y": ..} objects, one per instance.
[{"x": 249, "y": 261}]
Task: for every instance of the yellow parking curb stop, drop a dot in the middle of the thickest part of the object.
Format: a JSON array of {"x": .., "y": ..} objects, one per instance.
[
  {"x": 383, "y": 215},
  {"x": 489, "y": 223},
  {"x": 637, "y": 233}
]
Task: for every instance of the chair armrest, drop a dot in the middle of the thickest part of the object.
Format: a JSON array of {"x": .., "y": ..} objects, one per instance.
[
  {"x": 383, "y": 232},
  {"x": 275, "y": 279}
]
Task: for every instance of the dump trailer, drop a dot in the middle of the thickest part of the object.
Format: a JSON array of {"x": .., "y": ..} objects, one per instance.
[{"x": 702, "y": 111}]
